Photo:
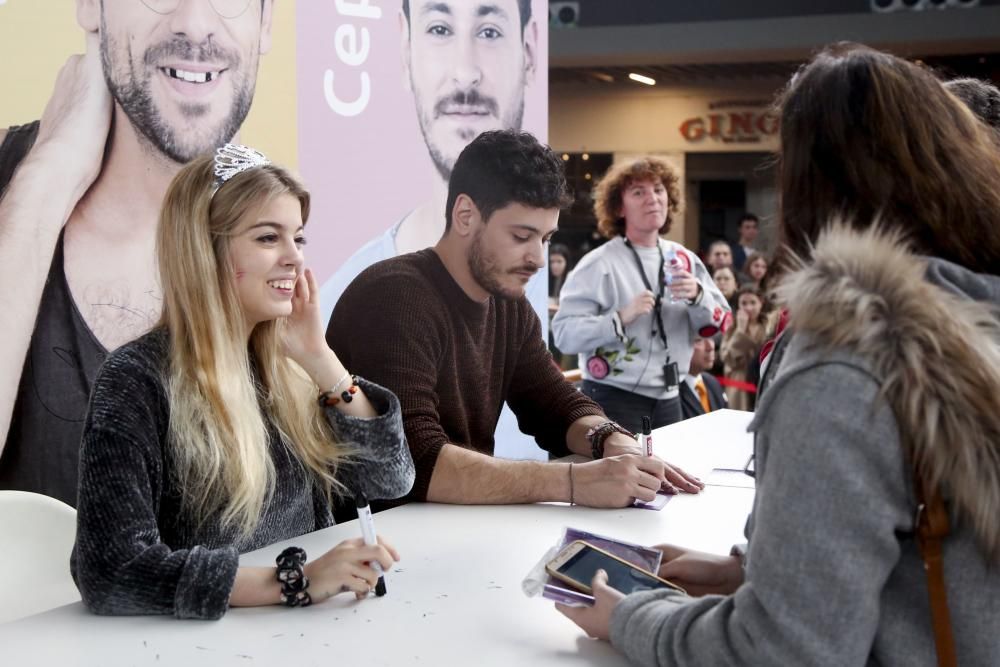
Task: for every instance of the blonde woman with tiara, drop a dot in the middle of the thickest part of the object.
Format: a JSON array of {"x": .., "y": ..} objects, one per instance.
[{"x": 205, "y": 438}]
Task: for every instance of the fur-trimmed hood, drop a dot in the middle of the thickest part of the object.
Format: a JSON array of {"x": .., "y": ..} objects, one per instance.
[{"x": 930, "y": 330}]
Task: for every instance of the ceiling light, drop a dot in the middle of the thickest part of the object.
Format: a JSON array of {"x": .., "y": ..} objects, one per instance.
[{"x": 642, "y": 79}]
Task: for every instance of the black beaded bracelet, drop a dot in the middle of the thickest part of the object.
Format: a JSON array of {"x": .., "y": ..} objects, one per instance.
[
  {"x": 330, "y": 398},
  {"x": 292, "y": 576}
]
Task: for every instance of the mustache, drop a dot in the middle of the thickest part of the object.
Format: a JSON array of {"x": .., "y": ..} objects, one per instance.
[
  {"x": 184, "y": 49},
  {"x": 527, "y": 267},
  {"x": 472, "y": 98}
]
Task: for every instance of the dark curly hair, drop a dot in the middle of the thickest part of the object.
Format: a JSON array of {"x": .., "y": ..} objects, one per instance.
[
  {"x": 503, "y": 167},
  {"x": 608, "y": 193}
]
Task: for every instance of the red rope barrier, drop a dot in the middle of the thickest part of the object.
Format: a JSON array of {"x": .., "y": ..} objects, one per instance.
[{"x": 748, "y": 387}]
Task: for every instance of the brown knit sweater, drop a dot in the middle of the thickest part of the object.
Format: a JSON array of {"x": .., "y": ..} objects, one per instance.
[{"x": 406, "y": 324}]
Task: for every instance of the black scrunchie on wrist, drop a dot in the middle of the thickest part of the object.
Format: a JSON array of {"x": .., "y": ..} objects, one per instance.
[{"x": 292, "y": 576}]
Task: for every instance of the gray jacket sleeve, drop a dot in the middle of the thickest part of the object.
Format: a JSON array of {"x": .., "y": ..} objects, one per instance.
[
  {"x": 831, "y": 496},
  {"x": 588, "y": 310},
  {"x": 711, "y": 308},
  {"x": 381, "y": 466}
]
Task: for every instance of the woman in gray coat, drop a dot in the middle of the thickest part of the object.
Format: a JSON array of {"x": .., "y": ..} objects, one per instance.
[{"x": 894, "y": 334}]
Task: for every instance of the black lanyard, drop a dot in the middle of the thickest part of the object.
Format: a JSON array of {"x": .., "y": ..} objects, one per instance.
[{"x": 657, "y": 320}]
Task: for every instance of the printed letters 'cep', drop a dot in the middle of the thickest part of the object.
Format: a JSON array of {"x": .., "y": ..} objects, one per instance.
[{"x": 351, "y": 53}]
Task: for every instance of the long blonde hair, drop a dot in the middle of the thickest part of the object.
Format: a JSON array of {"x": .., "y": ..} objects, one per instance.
[{"x": 222, "y": 391}]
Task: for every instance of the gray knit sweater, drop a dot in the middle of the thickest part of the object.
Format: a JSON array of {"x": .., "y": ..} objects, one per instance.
[{"x": 137, "y": 551}]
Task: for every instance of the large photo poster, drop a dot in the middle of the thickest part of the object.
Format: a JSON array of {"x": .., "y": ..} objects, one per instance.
[
  {"x": 389, "y": 95},
  {"x": 370, "y": 101},
  {"x": 104, "y": 102}
]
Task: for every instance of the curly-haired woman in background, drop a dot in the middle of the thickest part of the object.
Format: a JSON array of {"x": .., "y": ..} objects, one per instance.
[{"x": 632, "y": 308}]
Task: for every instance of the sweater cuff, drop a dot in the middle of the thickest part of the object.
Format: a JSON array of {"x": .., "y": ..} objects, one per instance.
[
  {"x": 699, "y": 297},
  {"x": 618, "y": 327},
  {"x": 740, "y": 551},
  {"x": 388, "y": 414},
  {"x": 381, "y": 466},
  {"x": 425, "y": 470},
  {"x": 589, "y": 409},
  {"x": 636, "y": 619},
  {"x": 206, "y": 583},
  {"x": 558, "y": 447}
]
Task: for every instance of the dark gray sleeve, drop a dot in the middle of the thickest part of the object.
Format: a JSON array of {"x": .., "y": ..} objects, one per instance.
[
  {"x": 381, "y": 467},
  {"x": 119, "y": 562}
]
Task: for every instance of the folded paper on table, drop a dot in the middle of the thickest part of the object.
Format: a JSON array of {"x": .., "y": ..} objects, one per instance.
[
  {"x": 657, "y": 503},
  {"x": 728, "y": 477}
]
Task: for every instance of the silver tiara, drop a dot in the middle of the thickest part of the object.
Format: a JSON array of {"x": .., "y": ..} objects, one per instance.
[{"x": 233, "y": 159}]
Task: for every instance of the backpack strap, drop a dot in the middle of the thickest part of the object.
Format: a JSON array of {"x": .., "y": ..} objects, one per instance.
[{"x": 932, "y": 527}]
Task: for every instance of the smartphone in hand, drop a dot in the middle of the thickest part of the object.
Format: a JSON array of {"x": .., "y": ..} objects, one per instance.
[{"x": 579, "y": 561}]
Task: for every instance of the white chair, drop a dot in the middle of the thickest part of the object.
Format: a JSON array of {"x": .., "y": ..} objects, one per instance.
[{"x": 36, "y": 538}]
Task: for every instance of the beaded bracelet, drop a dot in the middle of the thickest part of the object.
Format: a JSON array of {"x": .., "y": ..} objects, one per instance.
[
  {"x": 330, "y": 398},
  {"x": 598, "y": 434},
  {"x": 343, "y": 378},
  {"x": 292, "y": 576}
]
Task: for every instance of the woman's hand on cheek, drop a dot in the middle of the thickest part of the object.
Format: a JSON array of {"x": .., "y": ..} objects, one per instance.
[{"x": 304, "y": 336}]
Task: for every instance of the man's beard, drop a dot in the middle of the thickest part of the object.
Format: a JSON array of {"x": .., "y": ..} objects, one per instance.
[
  {"x": 131, "y": 89},
  {"x": 443, "y": 163},
  {"x": 485, "y": 270}
]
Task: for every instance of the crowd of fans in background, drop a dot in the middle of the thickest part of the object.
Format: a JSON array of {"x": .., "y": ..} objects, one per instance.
[{"x": 740, "y": 271}]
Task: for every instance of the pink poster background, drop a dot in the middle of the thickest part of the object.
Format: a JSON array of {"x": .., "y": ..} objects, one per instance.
[{"x": 367, "y": 171}]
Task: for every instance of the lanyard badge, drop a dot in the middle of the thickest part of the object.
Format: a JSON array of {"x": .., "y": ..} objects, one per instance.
[{"x": 671, "y": 374}]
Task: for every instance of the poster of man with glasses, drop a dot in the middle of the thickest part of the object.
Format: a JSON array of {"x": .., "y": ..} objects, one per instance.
[{"x": 160, "y": 82}]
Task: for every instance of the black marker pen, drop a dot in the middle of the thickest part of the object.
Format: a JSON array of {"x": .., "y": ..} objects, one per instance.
[{"x": 647, "y": 437}]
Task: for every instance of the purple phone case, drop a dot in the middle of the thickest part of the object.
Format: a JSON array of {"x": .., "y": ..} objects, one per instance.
[{"x": 644, "y": 557}]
